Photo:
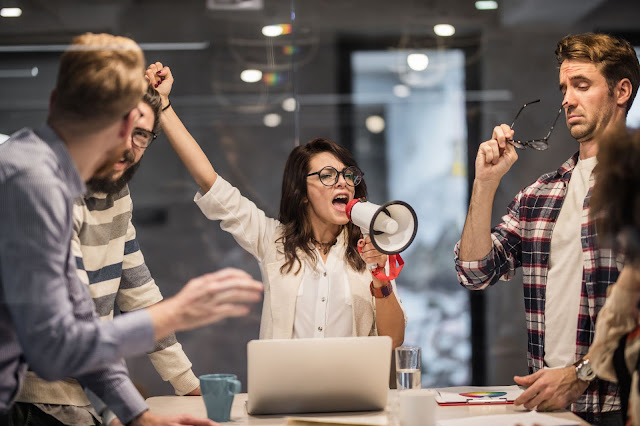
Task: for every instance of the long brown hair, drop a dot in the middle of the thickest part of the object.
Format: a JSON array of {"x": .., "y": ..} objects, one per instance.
[
  {"x": 615, "y": 202},
  {"x": 293, "y": 212}
]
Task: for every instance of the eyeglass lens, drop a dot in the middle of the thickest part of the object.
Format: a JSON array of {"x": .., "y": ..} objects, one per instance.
[
  {"x": 537, "y": 144},
  {"x": 329, "y": 176},
  {"x": 141, "y": 137}
]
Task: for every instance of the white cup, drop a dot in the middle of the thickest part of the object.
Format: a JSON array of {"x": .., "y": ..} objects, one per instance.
[{"x": 417, "y": 407}]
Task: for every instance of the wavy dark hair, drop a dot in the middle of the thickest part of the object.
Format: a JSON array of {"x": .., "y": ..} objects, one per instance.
[
  {"x": 615, "y": 202},
  {"x": 152, "y": 98},
  {"x": 293, "y": 209}
]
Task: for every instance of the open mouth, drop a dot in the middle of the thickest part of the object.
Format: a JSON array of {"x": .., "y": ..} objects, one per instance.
[
  {"x": 122, "y": 164},
  {"x": 340, "y": 202}
]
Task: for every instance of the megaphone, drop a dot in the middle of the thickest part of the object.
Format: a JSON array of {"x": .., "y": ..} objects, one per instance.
[{"x": 391, "y": 226}]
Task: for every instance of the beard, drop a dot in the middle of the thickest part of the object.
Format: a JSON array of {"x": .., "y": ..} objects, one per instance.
[{"x": 110, "y": 186}]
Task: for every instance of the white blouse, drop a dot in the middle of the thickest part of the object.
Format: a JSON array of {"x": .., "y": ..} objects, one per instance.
[{"x": 323, "y": 304}]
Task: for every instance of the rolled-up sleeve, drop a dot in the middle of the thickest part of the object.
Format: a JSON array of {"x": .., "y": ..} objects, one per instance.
[{"x": 503, "y": 258}]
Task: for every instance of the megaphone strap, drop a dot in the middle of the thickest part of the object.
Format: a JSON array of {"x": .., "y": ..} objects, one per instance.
[{"x": 396, "y": 263}]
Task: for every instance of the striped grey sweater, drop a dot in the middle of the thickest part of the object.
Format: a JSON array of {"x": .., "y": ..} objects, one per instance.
[{"x": 109, "y": 260}]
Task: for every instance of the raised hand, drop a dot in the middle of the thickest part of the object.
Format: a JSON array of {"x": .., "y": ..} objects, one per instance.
[
  {"x": 213, "y": 297},
  {"x": 205, "y": 300},
  {"x": 495, "y": 156},
  {"x": 161, "y": 79}
]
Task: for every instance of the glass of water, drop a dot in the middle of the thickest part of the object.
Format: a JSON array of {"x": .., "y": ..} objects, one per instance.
[{"x": 408, "y": 367}]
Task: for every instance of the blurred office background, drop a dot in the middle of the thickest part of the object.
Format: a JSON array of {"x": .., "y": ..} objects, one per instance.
[{"x": 411, "y": 98}]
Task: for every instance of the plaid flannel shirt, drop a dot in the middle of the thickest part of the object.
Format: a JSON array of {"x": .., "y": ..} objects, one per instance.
[{"x": 524, "y": 239}]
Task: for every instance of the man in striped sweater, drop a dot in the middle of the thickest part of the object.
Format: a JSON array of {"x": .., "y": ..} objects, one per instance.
[{"x": 110, "y": 262}]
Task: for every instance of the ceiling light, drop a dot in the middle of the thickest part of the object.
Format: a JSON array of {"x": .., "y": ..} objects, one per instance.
[
  {"x": 418, "y": 61},
  {"x": 198, "y": 45},
  {"x": 486, "y": 4},
  {"x": 289, "y": 104},
  {"x": 272, "y": 120},
  {"x": 272, "y": 30},
  {"x": 19, "y": 73},
  {"x": 401, "y": 90},
  {"x": 10, "y": 12},
  {"x": 444, "y": 30},
  {"x": 251, "y": 76},
  {"x": 375, "y": 124}
]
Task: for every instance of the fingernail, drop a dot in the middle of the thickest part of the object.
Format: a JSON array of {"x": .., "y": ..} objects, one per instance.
[
  {"x": 160, "y": 82},
  {"x": 162, "y": 78},
  {"x": 155, "y": 85},
  {"x": 159, "y": 72}
]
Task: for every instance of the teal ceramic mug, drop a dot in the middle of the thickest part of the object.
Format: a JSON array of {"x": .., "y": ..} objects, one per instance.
[{"x": 218, "y": 391}]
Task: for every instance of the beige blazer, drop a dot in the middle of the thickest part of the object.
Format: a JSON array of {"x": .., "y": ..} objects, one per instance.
[{"x": 257, "y": 234}]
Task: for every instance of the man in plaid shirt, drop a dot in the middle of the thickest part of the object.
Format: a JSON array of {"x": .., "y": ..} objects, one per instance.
[{"x": 547, "y": 231}]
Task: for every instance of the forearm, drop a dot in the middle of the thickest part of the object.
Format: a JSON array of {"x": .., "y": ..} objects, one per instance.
[
  {"x": 173, "y": 365},
  {"x": 61, "y": 341},
  {"x": 166, "y": 318},
  {"x": 475, "y": 242},
  {"x": 390, "y": 319},
  {"x": 188, "y": 150},
  {"x": 111, "y": 389}
]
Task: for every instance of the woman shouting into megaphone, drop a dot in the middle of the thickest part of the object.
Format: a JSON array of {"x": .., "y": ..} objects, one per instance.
[{"x": 316, "y": 283}]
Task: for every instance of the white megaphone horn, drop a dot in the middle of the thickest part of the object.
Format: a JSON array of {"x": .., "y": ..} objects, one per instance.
[{"x": 392, "y": 226}]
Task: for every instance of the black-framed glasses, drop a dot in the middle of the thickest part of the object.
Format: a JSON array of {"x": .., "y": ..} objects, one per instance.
[
  {"x": 329, "y": 175},
  {"x": 142, "y": 138},
  {"x": 537, "y": 144}
]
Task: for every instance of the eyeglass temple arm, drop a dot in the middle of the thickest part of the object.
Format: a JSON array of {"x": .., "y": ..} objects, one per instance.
[
  {"x": 554, "y": 124},
  {"x": 520, "y": 110}
]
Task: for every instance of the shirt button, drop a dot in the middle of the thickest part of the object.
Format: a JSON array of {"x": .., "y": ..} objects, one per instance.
[
  {"x": 323, "y": 299},
  {"x": 324, "y": 275},
  {"x": 319, "y": 328}
]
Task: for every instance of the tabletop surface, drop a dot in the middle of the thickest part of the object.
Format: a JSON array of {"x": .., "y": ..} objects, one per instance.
[{"x": 194, "y": 405}]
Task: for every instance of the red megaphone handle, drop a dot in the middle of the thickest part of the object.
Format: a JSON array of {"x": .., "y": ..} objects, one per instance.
[{"x": 395, "y": 266}]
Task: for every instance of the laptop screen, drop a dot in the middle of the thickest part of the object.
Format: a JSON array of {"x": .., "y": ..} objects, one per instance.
[{"x": 318, "y": 375}]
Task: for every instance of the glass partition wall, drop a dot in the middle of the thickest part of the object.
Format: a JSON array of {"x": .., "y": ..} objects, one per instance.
[{"x": 412, "y": 99}]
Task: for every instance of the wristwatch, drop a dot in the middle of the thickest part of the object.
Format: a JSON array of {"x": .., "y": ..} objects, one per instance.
[
  {"x": 381, "y": 292},
  {"x": 584, "y": 371}
]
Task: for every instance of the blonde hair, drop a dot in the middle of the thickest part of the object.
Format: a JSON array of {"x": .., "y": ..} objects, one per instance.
[{"x": 100, "y": 79}]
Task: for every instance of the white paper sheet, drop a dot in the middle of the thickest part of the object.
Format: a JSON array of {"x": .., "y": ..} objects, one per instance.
[
  {"x": 529, "y": 418},
  {"x": 455, "y": 395},
  {"x": 361, "y": 419}
]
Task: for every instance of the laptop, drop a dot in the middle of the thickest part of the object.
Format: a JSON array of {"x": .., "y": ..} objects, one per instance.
[{"x": 318, "y": 375}]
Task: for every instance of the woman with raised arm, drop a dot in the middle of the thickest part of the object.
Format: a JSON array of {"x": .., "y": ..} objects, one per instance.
[{"x": 312, "y": 259}]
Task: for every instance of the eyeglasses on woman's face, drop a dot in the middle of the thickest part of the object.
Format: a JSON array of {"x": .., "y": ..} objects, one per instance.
[{"x": 329, "y": 175}]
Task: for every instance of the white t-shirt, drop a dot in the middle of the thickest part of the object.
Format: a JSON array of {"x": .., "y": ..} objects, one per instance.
[
  {"x": 324, "y": 306},
  {"x": 564, "y": 279}
]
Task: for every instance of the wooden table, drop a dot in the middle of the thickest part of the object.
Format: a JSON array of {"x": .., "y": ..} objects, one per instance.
[{"x": 194, "y": 405}]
